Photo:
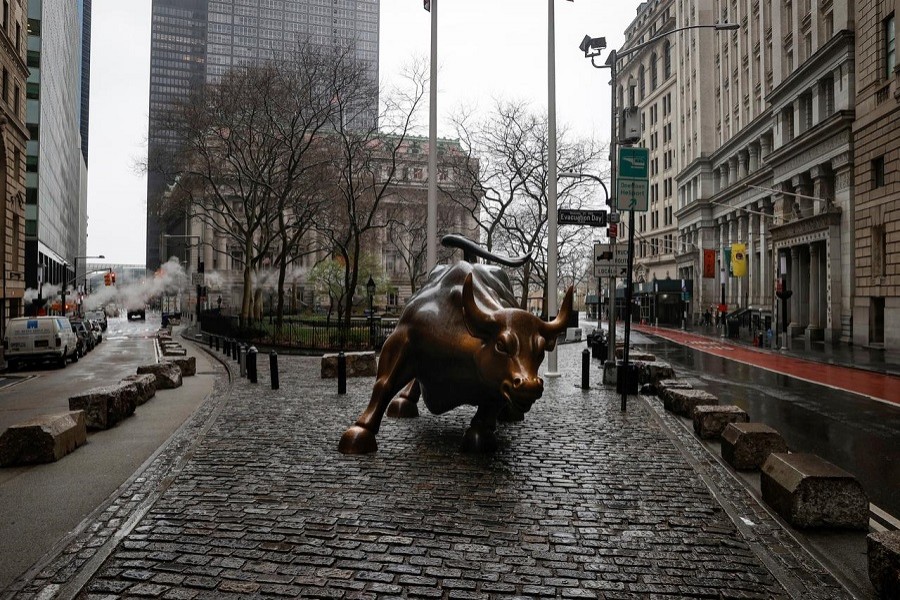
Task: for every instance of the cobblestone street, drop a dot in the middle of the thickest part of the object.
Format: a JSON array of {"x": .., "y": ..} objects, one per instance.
[{"x": 252, "y": 498}]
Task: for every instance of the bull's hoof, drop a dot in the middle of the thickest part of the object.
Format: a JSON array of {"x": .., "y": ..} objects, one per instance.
[
  {"x": 510, "y": 414},
  {"x": 479, "y": 441},
  {"x": 357, "y": 440},
  {"x": 402, "y": 408}
]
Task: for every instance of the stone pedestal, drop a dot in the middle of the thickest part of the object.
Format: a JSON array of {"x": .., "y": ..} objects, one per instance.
[
  {"x": 745, "y": 446},
  {"x": 43, "y": 439},
  {"x": 884, "y": 563},
  {"x": 808, "y": 491},
  {"x": 711, "y": 421}
]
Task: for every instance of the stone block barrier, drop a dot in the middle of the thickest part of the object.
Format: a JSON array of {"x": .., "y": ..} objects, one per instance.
[
  {"x": 710, "y": 420},
  {"x": 884, "y": 563},
  {"x": 43, "y": 439},
  {"x": 105, "y": 406},
  {"x": 664, "y": 388},
  {"x": 168, "y": 374},
  {"x": 146, "y": 386},
  {"x": 649, "y": 372},
  {"x": 683, "y": 402},
  {"x": 746, "y": 446},
  {"x": 188, "y": 365},
  {"x": 359, "y": 364},
  {"x": 808, "y": 491}
]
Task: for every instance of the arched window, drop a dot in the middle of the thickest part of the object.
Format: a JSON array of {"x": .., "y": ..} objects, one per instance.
[
  {"x": 667, "y": 59},
  {"x": 653, "y": 78},
  {"x": 642, "y": 90}
]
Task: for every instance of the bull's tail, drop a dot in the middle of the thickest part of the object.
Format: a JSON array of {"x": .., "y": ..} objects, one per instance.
[{"x": 471, "y": 250}]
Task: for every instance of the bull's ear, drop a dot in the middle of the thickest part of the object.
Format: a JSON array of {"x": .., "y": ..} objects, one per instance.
[
  {"x": 479, "y": 323},
  {"x": 557, "y": 326}
]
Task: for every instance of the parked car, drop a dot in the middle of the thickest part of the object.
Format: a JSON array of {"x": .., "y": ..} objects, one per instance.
[
  {"x": 83, "y": 339},
  {"x": 95, "y": 329},
  {"x": 98, "y": 316},
  {"x": 83, "y": 331},
  {"x": 35, "y": 339}
]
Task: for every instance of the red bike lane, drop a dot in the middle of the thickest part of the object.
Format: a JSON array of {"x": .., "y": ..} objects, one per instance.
[{"x": 878, "y": 386}]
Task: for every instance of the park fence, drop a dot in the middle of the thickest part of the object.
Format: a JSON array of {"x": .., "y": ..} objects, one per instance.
[{"x": 305, "y": 335}]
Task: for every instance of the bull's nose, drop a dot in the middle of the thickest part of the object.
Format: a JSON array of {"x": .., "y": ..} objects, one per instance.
[{"x": 528, "y": 383}]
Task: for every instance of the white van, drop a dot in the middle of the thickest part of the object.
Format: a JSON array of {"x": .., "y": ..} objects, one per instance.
[{"x": 39, "y": 338}]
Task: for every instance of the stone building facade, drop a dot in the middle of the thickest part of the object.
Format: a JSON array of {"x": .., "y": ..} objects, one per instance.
[
  {"x": 876, "y": 177},
  {"x": 13, "y": 139},
  {"x": 768, "y": 157}
]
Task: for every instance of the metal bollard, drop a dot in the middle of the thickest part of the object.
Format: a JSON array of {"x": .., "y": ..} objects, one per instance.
[
  {"x": 234, "y": 349},
  {"x": 342, "y": 373},
  {"x": 251, "y": 364},
  {"x": 585, "y": 369},
  {"x": 242, "y": 359},
  {"x": 210, "y": 340},
  {"x": 273, "y": 369},
  {"x": 217, "y": 342}
]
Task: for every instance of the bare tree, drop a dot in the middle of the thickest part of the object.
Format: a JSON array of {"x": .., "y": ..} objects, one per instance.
[
  {"x": 509, "y": 200},
  {"x": 364, "y": 164},
  {"x": 251, "y": 150}
]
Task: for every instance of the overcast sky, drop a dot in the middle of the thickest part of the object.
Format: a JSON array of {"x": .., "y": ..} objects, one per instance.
[{"x": 487, "y": 49}]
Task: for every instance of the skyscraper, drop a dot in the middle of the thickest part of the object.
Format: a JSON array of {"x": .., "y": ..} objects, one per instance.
[{"x": 195, "y": 42}]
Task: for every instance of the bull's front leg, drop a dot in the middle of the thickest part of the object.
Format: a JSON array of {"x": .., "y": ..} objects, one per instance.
[
  {"x": 481, "y": 436},
  {"x": 394, "y": 372},
  {"x": 404, "y": 405}
]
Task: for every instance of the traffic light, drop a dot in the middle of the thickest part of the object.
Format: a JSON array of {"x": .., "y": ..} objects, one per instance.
[
  {"x": 113, "y": 278},
  {"x": 107, "y": 278}
]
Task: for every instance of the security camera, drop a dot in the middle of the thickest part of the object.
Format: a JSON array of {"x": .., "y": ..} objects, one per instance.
[{"x": 589, "y": 43}]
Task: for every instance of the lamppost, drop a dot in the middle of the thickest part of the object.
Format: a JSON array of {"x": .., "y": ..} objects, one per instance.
[
  {"x": 77, "y": 258},
  {"x": 370, "y": 289},
  {"x": 592, "y": 48},
  {"x": 199, "y": 277},
  {"x": 611, "y": 291}
]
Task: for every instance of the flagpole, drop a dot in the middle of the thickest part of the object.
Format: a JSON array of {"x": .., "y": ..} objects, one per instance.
[{"x": 431, "y": 219}]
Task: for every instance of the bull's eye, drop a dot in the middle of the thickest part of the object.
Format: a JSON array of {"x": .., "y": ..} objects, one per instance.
[{"x": 500, "y": 346}]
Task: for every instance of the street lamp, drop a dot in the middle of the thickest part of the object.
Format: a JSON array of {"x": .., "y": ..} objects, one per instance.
[
  {"x": 611, "y": 354},
  {"x": 370, "y": 289},
  {"x": 592, "y": 48}
]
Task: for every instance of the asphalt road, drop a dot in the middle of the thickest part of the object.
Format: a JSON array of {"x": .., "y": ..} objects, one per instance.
[{"x": 40, "y": 505}]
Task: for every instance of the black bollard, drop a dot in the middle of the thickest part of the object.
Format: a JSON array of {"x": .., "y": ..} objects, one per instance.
[
  {"x": 217, "y": 343},
  {"x": 273, "y": 369},
  {"x": 210, "y": 340},
  {"x": 251, "y": 364},
  {"x": 342, "y": 373},
  {"x": 585, "y": 369},
  {"x": 242, "y": 359},
  {"x": 235, "y": 348}
]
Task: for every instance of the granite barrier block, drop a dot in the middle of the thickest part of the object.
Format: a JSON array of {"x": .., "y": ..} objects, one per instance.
[
  {"x": 746, "y": 446},
  {"x": 43, "y": 439},
  {"x": 359, "y": 364}
]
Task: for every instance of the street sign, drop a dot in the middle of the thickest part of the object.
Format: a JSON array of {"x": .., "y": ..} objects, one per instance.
[
  {"x": 613, "y": 230},
  {"x": 610, "y": 271},
  {"x": 593, "y": 218},
  {"x": 609, "y": 254},
  {"x": 633, "y": 181},
  {"x": 614, "y": 217},
  {"x": 197, "y": 278},
  {"x": 633, "y": 194}
]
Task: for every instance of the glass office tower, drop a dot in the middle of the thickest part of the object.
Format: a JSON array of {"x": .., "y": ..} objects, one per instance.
[{"x": 198, "y": 41}]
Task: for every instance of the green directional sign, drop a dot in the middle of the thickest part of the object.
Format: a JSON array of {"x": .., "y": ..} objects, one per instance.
[{"x": 633, "y": 181}]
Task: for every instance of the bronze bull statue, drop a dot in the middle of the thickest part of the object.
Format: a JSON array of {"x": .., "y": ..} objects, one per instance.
[{"x": 461, "y": 341}]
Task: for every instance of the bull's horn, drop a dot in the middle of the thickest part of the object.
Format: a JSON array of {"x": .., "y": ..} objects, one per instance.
[
  {"x": 479, "y": 323},
  {"x": 554, "y": 328}
]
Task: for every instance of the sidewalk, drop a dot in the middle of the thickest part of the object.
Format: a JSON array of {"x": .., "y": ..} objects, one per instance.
[
  {"x": 856, "y": 357},
  {"x": 252, "y": 498}
]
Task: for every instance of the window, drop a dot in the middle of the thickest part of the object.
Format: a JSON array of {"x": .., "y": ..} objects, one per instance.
[
  {"x": 642, "y": 90},
  {"x": 653, "y": 77},
  {"x": 890, "y": 49},
  {"x": 667, "y": 59},
  {"x": 879, "y": 251},
  {"x": 878, "y": 172}
]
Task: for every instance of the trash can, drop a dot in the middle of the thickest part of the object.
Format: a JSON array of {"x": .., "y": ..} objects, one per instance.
[
  {"x": 632, "y": 385},
  {"x": 733, "y": 327}
]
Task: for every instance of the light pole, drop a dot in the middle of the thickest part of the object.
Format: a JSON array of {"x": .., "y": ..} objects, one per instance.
[
  {"x": 199, "y": 264},
  {"x": 611, "y": 291},
  {"x": 370, "y": 289},
  {"x": 592, "y": 48},
  {"x": 77, "y": 258}
]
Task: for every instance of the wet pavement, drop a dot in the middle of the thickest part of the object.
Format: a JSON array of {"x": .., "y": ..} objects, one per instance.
[{"x": 251, "y": 498}]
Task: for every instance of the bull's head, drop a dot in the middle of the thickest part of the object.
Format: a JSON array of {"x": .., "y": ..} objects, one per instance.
[{"x": 514, "y": 343}]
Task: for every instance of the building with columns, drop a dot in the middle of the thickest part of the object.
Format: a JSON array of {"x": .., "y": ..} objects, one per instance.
[
  {"x": 767, "y": 158},
  {"x": 646, "y": 80},
  {"x": 876, "y": 158}
]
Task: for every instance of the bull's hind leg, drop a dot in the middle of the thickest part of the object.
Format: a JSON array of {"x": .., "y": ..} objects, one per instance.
[
  {"x": 394, "y": 372},
  {"x": 481, "y": 436},
  {"x": 404, "y": 405}
]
